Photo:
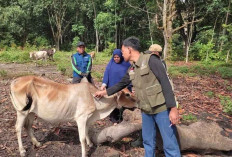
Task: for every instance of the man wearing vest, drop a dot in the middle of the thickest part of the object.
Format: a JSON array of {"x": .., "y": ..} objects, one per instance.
[
  {"x": 155, "y": 97},
  {"x": 81, "y": 64}
]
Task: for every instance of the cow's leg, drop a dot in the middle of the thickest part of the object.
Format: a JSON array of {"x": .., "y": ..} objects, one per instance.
[
  {"x": 81, "y": 123},
  {"x": 19, "y": 124},
  {"x": 28, "y": 127},
  {"x": 88, "y": 141}
]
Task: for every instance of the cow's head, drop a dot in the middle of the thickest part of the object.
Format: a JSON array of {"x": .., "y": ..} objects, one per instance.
[
  {"x": 126, "y": 98},
  {"x": 53, "y": 50},
  {"x": 31, "y": 55}
]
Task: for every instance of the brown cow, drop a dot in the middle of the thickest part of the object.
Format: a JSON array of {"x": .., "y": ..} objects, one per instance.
[
  {"x": 55, "y": 103},
  {"x": 92, "y": 54}
]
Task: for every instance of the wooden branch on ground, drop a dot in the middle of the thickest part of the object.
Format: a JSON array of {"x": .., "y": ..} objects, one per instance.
[
  {"x": 132, "y": 122},
  {"x": 197, "y": 136}
]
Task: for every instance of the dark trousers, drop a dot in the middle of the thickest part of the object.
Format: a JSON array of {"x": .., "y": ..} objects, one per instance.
[
  {"x": 116, "y": 115},
  {"x": 78, "y": 79}
]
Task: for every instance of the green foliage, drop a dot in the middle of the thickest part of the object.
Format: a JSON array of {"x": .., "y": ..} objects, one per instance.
[
  {"x": 206, "y": 51},
  {"x": 177, "y": 71},
  {"x": 110, "y": 48},
  {"x": 105, "y": 23},
  {"x": 210, "y": 94},
  {"x": 62, "y": 69},
  {"x": 41, "y": 41},
  {"x": 191, "y": 74},
  {"x": 189, "y": 118},
  {"x": 80, "y": 29},
  {"x": 202, "y": 69},
  {"x": 177, "y": 48},
  {"x": 225, "y": 72},
  {"x": 63, "y": 62},
  {"x": 183, "y": 69},
  {"x": 97, "y": 75},
  {"x": 15, "y": 56},
  {"x": 75, "y": 41},
  {"x": 101, "y": 58},
  {"x": 226, "y": 102}
]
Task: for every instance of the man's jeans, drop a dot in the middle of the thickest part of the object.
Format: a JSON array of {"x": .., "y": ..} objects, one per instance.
[{"x": 168, "y": 133}]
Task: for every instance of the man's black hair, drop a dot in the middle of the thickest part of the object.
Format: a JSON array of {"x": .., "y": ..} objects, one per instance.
[{"x": 132, "y": 42}]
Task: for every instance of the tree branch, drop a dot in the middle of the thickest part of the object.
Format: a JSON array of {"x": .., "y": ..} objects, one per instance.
[
  {"x": 138, "y": 8},
  {"x": 178, "y": 28},
  {"x": 159, "y": 6},
  {"x": 157, "y": 23}
]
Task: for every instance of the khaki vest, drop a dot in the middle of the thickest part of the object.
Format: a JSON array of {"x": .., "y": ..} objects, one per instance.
[{"x": 147, "y": 88}]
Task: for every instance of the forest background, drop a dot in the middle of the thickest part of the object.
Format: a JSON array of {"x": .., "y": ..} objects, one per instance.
[{"x": 187, "y": 30}]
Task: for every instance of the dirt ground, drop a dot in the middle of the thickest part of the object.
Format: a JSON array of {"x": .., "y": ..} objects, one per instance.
[{"x": 190, "y": 92}]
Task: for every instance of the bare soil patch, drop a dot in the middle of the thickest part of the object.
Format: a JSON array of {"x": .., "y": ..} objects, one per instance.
[{"x": 190, "y": 92}]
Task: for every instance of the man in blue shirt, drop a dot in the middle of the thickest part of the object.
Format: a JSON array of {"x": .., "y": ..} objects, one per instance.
[{"x": 81, "y": 64}]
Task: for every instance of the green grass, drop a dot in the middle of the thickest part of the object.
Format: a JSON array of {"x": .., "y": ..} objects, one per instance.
[
  {"x": 97, "y": 75},
  {"x": 63, "y": 64},
  {"x": 3, "y": 73},
  {"x": 189, "y": 118},
  {"x": 226, "y": 102},
  {"x": 16, "y": 56},
  {"x": 210, "y": 94},
  {"x": 62, "y": 60},
  {"x": 202, "y": 69},
  {"x": 101, "y": 58}
]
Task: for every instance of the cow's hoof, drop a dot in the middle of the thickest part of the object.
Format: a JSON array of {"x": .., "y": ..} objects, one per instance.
[
  {"x": 23, "y": 153},
  {"x": 90, "y": 144},
  {"x": 38, "y": 144}
]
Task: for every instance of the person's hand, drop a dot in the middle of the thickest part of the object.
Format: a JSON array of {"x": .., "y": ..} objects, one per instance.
[
  {"x": 100, "y": 94},
  {"x": 102, "y": 87},
  {"x": 85, "y": 74},
  {"x": 174, "y": 116}
]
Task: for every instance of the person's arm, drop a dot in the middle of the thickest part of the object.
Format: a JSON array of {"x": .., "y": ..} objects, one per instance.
[
  {"x": 125, "y": 81},
  {"x": 159, "y": 71},
  {"x": 89, "y": 67},
  {"x": 105, "y": 80},
  {"x": 74, "y": 65}
]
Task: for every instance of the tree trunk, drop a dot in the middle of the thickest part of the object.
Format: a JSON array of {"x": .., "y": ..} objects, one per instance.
[
  {"x": 189, "y": 37},
  {"x": 97, "y": 38},
  {"x": 25, "y": 35},
  {"x": 187, "y": 53},
  {"x": 168, "y": 14},
  {"x": 149, "y": 23},
  {"x": 115, "y": 24},
  {"x": 224, "y": 30},
  {"x": 227, "y": 56}
]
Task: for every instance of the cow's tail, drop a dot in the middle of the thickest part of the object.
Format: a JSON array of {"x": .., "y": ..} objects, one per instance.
[
  {"x": 28, "y": 102},
  {"x": 20, "y": 105}
]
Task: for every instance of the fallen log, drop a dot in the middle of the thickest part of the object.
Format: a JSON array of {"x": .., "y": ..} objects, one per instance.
[
  {"x": 131, "y": 123},
  {"x": 197, "y": 136}
]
